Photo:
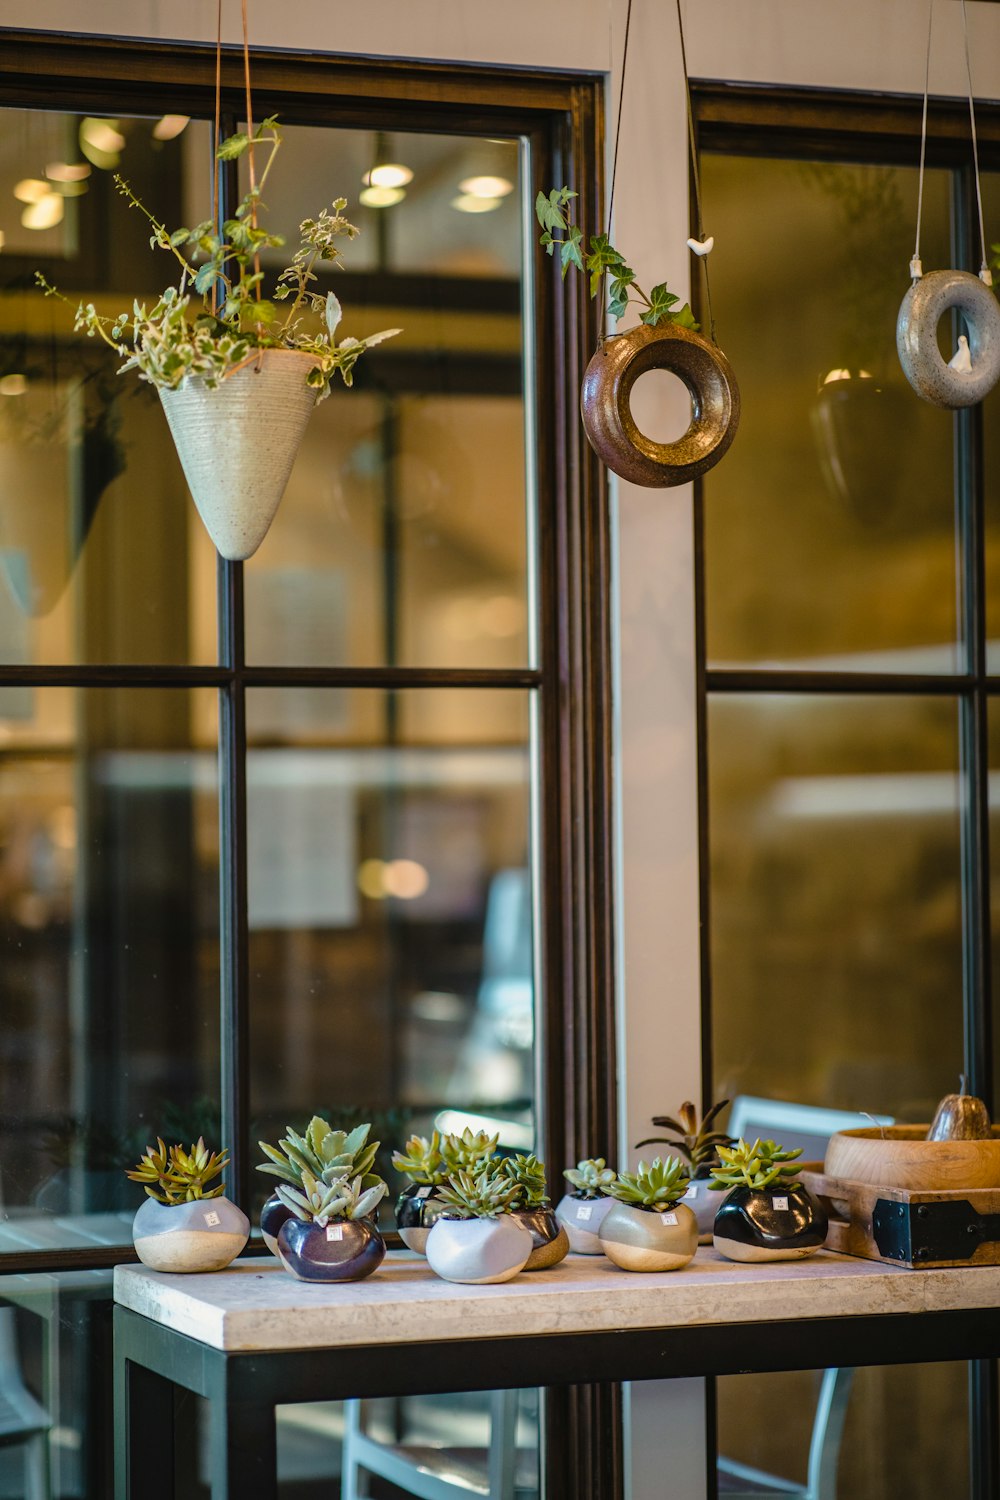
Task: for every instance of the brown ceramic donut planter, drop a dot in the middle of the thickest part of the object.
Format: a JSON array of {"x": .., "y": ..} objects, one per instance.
[{"x": 607, "y": 415}]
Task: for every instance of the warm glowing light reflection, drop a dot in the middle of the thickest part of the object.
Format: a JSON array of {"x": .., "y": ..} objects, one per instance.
[
  {"x": 390, "y": 174},
  {"x": 45, "y": 214},
  {"x": 487, "y": 187},
  {"x": 381, "y": 197},
  {"x": 31, "y": 190},
  {"x": 13, "y": 385},
  {"x": 170, "y": 127},
  {"x": 64, "y": 171},
  {"x": 403, "y": 878},
  {"x": 468, "y": 203}
]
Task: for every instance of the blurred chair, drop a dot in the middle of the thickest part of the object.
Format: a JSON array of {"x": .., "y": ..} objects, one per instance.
[
  {"x": 429, "y": 1472},
  {"x": 810, "y": 1128},
  {"x": 24, "y": 1422}
]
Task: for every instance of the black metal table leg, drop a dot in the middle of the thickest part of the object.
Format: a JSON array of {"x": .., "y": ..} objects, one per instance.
[
  {"x": 244, "y": 1452},
  {"x": 144, "y": 1433}
]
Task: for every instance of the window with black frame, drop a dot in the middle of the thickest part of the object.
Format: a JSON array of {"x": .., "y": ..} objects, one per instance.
[
  {"x": 274, "y": 838},
  {"x": 849, "y": 592}
]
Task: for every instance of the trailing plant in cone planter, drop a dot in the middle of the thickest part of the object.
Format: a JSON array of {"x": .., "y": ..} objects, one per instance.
[
  {"x": 185, "y": 1224},
  {"x": 418, "y": 1205},
  {"x": 478, "y": 1240},
  {"x": 582, "y": 1211},
  {"x": 237, "y": 375},
  {"x": 330, "y": 1155},
  {"x": 766, "y": 1214},
  {"x": 331, "y": 1235},
  {"x": 649, "y": 1228},
  {"x": 698, "y": 1144},
  {"x": 533, "y": 1211}
]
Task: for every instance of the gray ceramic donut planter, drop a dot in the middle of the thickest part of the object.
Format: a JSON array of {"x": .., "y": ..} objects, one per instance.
[
  {"x": 916, "y": 338},
  {"x": 607, "y": 415}
]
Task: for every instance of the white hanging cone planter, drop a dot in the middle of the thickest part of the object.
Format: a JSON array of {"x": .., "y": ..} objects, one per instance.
[{"x": 237, "y": 443}]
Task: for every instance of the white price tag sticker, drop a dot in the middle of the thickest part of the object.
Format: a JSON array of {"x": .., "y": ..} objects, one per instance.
[
  {"x": 780, "y": 1203},
  {"x": 584, "y": 1211},
  {"x": 335, "y": 1231},
  {"x": 668, "y": 1218},
  {"x": 423, "y": 1192},
  {"x": 692, "y": 1191},
  {"x": 212, "y": 1218}
]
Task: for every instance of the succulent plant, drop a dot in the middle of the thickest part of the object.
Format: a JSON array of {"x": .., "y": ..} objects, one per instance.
[
  {"x": 481, "y": 1195},
  {"x": 322, "y": 1201},
  {"x": 695, "y": 1141},
  {"x": 177, "y": 1176},
  {"x": 658, "y": 1185},
  {"x": 421, "y": 1160},
  {"x": 527, "y": 1174},
  {"x": 468, "y": 1152},
  {"x": 592, "y": 1178},
  {"x": 757, "y": 1166},
  {"x": 329, "y": 1155}
]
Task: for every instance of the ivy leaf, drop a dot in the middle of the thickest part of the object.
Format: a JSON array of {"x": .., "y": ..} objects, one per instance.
[
  {"x": 233, "y": 146},
  {"x": 569, "y": 250},
  {"x": 603, "y": 256},
  {"x": 685, "y": 318},
  {"x": 619, "y": 291},
  {"x": 205, "y": 277},
  {"x": 549, "y": 209},
  {"x": 660, "y": 303}
]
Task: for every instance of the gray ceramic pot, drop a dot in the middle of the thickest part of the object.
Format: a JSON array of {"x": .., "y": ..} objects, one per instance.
[
  {"x": 477, "y": 1251},
  {"x": 643, "y": 1239},
  {"x": 704, "y": 1204},
  {"x": 549, "y": 1240},
  {"x": 582, "y": 1218},
  {"x": 201, "y": 1236}
]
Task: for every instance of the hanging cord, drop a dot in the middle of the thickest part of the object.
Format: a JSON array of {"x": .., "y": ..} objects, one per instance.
[
  {"x": 916, "y": 266},
  {"x": 215, "y": 141},
  {"x": 618, "y": 125},
  {"x": 984, "y": 270},
  {"x": 695, "y": 175},
  {"x": 253, "y": 180}
]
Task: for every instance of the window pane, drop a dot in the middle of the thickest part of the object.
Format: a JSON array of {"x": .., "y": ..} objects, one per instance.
[
  {"x": 830, "y": 532},
  {"x": 101, "y": 552},
  {"x": 390, "y": 910},
  {"x": 402, "y": 536},
  {"x": 108, "y": 948},
  {"x": 991, "y": 449},
  {"x": 835, "y": 901}
]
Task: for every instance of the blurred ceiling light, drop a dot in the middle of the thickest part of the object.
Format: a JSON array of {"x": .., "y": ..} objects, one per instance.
[
  {"x": 31, "y": 190},
  {"x": 390, "y": 174},
  {"x": 45, "y": 214},
  {"x": 487, "y": 187},
  {"x": 170, "y": 127},
  {"x": 405, "y": 878},
  {"x": 101, "y": 143},
  {"x": 71, "y": 189},
  {"x": 835, "y": 375},
  {"x": 371, "y": 881},
  {"x": 64, "y": 171},
  {"x": 13, "y": 385},
  {"x": 381, "y": 197},
  {"x": 468, "y": 203},
  {"x": 3, "y": 239}
]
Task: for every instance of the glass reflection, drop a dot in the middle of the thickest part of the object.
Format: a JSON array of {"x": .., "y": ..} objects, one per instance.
[
  {"x": 390, "y": 911},
  {"x": 108, "y": 948},
  {"x": 830, "y": 527},
  {"x": 836, "y": 901}
]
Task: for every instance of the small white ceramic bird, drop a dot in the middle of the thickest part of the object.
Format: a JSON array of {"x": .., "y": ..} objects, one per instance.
[
  {"x": 961, "y": 360},
  {"x": 701, "y": 247}
]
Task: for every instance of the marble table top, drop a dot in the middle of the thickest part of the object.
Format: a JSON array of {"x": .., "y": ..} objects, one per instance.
[{"x": 256, "y": 1305}]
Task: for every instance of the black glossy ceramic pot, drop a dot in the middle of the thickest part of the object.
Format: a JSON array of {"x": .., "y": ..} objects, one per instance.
[
  {"x": 781, "y": 1223},
  {"x": 417, "y": 1211},
  {"x": 272, "y": 1216},
  {"x": 549, "y": 1240},
  {"x": 343, "y": 1250}
]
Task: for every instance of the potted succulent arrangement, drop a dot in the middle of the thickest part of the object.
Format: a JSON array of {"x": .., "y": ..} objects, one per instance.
[
  {"x": 330, "y": 1234},
  {"x": 582, "y": 1211},
  {"x": 766, "y": 1214},
  {"x": 697, "y": 1143},
  {"x": 185, "y": 1224},
  {"x": 533, "y": 1211},
  {"x": 477, "y": 1239},
  {"x": 649, "y": 1228},
  {"x": 237, "y": 376},
  {"x": 667, "y": 337},
  {"x": 418, "y": 1205},
  {"x": 329, "y": 1155}
]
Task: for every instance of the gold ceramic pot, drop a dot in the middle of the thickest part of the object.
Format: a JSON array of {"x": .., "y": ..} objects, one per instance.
[
  {"x": 645, "y": 1239},
  {"x": 549, "y": 1240}
]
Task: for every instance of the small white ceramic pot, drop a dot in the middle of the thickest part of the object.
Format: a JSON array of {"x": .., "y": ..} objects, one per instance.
[
  {"x": 582, "y": 1219},
  {"x": 645, "y": 1239},
  {"x": 549, "y": 1240},
  {"x": 201, "y": 1236},
  {"x": 417, "y": 1209},
  {"x": 478, "y": 1251},
  {"x": 780, "y": 1223}
]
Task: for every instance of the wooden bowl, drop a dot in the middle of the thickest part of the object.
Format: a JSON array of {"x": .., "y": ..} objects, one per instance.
[{"x": 900, "y": 1156}]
